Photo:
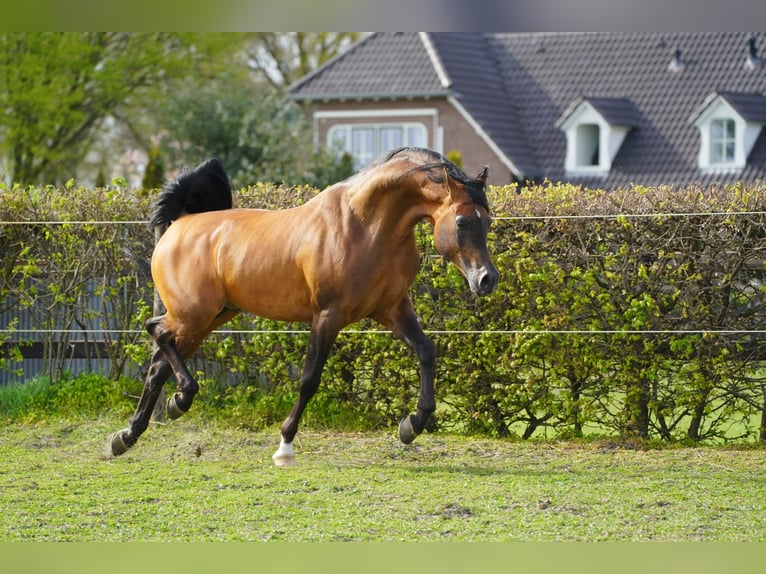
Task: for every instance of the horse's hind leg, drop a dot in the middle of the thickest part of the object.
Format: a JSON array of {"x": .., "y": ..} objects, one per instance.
[
  {"x": 159, "y": 372},
  {"x": 175, "y": 353},
  {"x": 182, "y": 400},
  {"x": 166, "y": 360}
]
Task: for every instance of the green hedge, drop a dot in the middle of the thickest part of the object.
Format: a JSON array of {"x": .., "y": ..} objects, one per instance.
[{"x": 619, "y": 313}]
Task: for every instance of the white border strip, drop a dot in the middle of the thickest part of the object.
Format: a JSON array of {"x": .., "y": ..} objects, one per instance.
[{"x": 373, "y": 113}]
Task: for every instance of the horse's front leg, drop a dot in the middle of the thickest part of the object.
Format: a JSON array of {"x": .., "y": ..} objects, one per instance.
[
  {"x": 404, "y": 323},
  {"x": 324, "y": 330}
]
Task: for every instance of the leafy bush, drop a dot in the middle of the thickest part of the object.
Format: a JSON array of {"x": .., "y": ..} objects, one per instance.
[{"x": 638, "y": 312}]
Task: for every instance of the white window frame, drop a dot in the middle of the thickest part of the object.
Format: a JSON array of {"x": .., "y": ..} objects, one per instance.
[
  {"x": 342, "y": 135},
  {"x": 726, "y": 142}
]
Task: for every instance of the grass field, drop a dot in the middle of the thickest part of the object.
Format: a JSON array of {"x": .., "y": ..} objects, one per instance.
[{"x": 185, "y": 481}]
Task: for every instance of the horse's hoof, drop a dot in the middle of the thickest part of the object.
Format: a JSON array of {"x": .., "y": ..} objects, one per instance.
[
  {"x": 283, "y": 460},
  {"x": 407, "y": 432},
  {"x": 118, "y": 444},
  {"x": 285, "y": 455},
  {"x": 172, "y": 409}
]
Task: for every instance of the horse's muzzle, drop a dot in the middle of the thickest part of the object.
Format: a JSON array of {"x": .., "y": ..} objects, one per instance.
[{"x": 483, "y": 280}]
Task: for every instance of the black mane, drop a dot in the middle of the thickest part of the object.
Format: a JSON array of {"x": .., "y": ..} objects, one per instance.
[{"x": 435, "y": 165}]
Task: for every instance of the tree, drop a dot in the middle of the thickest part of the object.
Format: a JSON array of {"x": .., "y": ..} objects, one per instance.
[
  {"x": 57, "y": 89},
  {"x": 73, "y": 103},
  {"x": 282, "y": 58},
  {"x": 251, "y": 129}
]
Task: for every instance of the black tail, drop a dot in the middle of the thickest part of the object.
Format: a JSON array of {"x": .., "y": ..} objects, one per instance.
[{"x": 204, "y": 188}]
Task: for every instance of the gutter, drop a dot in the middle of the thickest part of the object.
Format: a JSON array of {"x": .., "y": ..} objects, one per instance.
[{"x": 360, "y": 97}]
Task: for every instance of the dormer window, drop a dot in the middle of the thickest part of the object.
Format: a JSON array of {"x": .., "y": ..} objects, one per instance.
[
  {"x": 595, "y": 129},
  {"x": 588, "y": 152},
  {"x": 729, "y": 123},
  {"x": 722, "y": 141}
]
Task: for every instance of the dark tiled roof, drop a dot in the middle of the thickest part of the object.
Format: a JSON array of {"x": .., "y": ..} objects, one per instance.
[
  {"x": 516, "y": 86},
  {"x": 470, "y": 65},
  {"x": 551, "y": 70},
  {"x": 381, "y": 65},
  {"x": 616, "y": 111},
  {"x": 752, "y": 107}
]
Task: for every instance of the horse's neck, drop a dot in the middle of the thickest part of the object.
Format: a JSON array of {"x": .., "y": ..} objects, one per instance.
[{"x": 391, "y": 204}]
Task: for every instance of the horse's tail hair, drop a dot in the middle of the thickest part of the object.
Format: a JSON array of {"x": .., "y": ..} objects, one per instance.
[{"x": 204, "y": 188}]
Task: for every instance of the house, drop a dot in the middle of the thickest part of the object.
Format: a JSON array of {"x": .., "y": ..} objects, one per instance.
[{"x": 599, "y": 109}]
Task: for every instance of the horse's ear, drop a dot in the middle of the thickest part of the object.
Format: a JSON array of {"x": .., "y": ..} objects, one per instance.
[{"x": 482, "y": 177}]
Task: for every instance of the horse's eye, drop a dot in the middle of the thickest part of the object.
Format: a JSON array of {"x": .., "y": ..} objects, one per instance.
[{"x": 463, "y": 222}]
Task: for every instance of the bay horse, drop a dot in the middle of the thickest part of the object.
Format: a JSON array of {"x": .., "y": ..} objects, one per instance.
[{"x": 347, "y": 254}]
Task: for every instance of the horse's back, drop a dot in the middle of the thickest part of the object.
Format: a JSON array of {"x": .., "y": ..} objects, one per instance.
[{"x": 237, "y": 258}]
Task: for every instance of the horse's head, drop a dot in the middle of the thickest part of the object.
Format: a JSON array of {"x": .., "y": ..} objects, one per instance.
[
  {"x": 460, "y": 230},
  {"x": 454, "y": 203}
]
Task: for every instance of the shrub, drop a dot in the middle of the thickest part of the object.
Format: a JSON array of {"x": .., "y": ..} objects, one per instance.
[
  {"x": 638, "y": 312},
  {"x": 87, "y": 394}
]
